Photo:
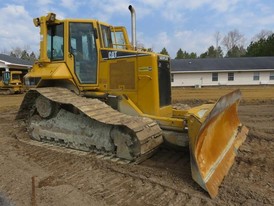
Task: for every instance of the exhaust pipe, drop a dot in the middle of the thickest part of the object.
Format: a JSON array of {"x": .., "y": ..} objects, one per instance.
[{"x": 133, "y": 27}]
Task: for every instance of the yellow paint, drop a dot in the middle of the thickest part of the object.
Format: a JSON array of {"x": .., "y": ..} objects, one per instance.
[{"x": 14, "y": 84}]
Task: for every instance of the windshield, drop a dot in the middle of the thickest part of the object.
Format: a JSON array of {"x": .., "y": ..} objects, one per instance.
[{"x": 55, "y": 42}]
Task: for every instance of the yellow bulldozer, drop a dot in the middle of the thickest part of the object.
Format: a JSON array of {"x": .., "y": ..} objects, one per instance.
[
  {"x": 11, "y": 82},
  {"x": 95, "y": 91}
]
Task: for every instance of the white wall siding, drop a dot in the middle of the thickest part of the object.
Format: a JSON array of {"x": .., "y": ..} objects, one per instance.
[
  {"x": 205, "y": 79},
  {"x": 2, "y": 65}
]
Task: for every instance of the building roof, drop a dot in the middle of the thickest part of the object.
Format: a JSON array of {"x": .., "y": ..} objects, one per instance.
[
  {"x": 14, "y": 60},
  {"x": 222, "y": 64}
]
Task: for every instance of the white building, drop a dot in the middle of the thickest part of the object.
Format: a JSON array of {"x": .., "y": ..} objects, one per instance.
[
  {"x": 222, "y": 71},
  {"x": 14, "y": 64}
]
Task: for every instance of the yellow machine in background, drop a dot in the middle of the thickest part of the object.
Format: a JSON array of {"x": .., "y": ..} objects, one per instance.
[
  {"x": 96, "y": 92},
  {"x": 11, "y": 82}
]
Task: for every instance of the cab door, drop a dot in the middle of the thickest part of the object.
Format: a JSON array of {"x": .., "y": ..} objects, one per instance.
[{"x": 83, "y": 48}]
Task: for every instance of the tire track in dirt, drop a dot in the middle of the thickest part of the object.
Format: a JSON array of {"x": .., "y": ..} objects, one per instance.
[
  {"x": 253, "y": 171},
  {"x": 104, "y": 179}
]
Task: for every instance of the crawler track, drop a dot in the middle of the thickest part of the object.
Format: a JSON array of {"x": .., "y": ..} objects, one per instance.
[{"x": 89, "y": 125}]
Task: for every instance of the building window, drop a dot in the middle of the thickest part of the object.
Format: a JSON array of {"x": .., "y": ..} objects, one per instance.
[
  {"x": 215, "y": 77},
  {"x": 256, "y": 76},
  {"x": 230, "y": 76},
  {"x": 271, "y": 76},
  {"x": 172, "y": 77}
]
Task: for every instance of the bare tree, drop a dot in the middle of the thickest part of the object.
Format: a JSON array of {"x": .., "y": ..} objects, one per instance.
[
  {"x": 20, "y": 53},
  {"x": 217, "y": 37},
  {"x": 16, "y": 52},
  {"x": 234, "y": 43},
  {"x": 263, "y": 34},
  {"x": 233, "y": 39}
]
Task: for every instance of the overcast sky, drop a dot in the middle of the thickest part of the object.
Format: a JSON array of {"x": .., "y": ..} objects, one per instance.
[{"x": 173, "y": 24}]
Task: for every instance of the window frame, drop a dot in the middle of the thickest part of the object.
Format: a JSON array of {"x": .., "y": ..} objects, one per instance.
[
  {"x": 6, "y": 77},
  {"x": 106, "y": 36},
  {"x": 214, "y": 76},
  {"x": 51, "y": 40},
  {"x": 230, "y": 76},
  {"x": 271, "y": 76},
  {"x": 256, "y": 76},
  {"x": 120, "y": 30},
  {"x": 83, "y": 47}
]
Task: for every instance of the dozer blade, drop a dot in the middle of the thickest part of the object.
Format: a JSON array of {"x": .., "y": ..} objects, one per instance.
[{"x": 215, "y": 134}]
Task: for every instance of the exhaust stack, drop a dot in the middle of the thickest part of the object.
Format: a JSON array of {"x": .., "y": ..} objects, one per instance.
[{"x": 133, "y": 26}]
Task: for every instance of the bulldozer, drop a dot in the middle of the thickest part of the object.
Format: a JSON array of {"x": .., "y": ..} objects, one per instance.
[
  {"x": 11, "y": 82},
  {"x": 96, "y": 91}
]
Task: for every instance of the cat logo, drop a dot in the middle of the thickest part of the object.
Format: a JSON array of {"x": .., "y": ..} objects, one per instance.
[{"x": 112, "y": 54}]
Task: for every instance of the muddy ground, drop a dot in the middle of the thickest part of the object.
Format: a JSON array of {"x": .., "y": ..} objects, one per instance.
[{"x": 67, "y": 177}]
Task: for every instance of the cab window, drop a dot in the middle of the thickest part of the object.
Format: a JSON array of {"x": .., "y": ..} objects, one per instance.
[
  {"x": 106, "y": 35},
  {"x": 55, "y": 42},
  {"x": 118, "y": 39},
  {"x": 83, "y": 48}
]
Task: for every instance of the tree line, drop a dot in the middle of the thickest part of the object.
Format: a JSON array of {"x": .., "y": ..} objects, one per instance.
[
  {"x": 24, "y": 54},
  {"x": 262, "y": 44}
]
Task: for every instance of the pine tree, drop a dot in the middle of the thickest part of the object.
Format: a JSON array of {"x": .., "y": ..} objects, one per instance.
[
  {"x": 25, "y": 55},
  {"x": 32, "y": 57},
  {"x": 212, "y": 52},
  {"x": 262, "y": 47},
  {"x": 164, "y": 51},
  {"x": 180, "y": 54}
]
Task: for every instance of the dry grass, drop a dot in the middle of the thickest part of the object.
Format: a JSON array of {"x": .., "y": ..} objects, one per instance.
[{"x": 249, "y": 93}]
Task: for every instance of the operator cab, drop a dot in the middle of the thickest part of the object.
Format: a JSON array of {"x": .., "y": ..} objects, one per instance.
[{"x": 83, "y": 43}]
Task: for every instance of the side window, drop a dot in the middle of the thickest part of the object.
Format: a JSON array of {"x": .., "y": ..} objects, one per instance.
[
  {"x": 230, "y": 76},
  {"x": 83, "y": 48},
  {"x": 55, "y": 42},
  {"x": 214, "y": 76},
  {"x": 271, "y": 76},
  {"x": 256, "y": 76},
  {"x": 118, "y": 40},
  {"x": 106, "y": 35}
]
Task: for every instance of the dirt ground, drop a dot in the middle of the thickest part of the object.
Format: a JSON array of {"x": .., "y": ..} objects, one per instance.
[{"x": 67, "y": 177}]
